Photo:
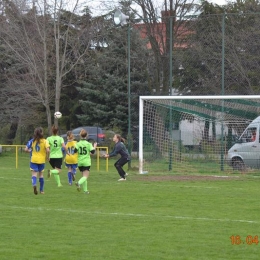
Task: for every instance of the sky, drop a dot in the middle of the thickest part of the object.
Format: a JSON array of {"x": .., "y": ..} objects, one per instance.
[
  {"x": 98, "y": 7},
  {"x": 219, "y": 2}
]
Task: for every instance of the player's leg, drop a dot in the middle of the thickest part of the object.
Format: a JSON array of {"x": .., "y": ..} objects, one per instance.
[
  {"x": 83, "y": 181},
  {"x": 74, "y": 170},
  {"x": 85, "y": 184},
  {"x": 119, "y": 166},
  {"x": 56, "y": 165},
  {"x": 34, "y": 171},
  {"x": 69, "y": 173},
  {"x": 41, "y": 180}
]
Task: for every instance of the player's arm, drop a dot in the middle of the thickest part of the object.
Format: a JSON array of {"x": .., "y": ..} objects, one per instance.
[
  {"x": 94, "y": 148},
  {"x": 65, "y": 148},
  {"x": 47, "y": 153},
  {"x": 28, "y": 147},
  {"x": 114, "y": 152}
]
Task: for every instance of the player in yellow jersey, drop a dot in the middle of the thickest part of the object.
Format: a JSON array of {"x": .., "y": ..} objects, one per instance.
[
  {"x": 39, "y": 149},
  {"x": 71, "y": 161}
]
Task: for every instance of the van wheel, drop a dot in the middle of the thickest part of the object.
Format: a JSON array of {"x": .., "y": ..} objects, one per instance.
[{"x": 238, "y": 165}]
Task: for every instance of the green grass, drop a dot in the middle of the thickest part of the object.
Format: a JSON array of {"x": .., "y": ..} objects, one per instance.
[{"x": 144, "y": 218}]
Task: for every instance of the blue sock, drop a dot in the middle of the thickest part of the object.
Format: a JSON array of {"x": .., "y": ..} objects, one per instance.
[
  {"x": 69, "y": 177},
  {"x": 34, "y": 180},
  {"x": 41, "y": 180}
]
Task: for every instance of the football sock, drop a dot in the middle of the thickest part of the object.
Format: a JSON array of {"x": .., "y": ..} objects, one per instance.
[
  {"x": 41, "y": 180},
  {"x": 57, "y": 178},
  {"x": 34, "y": 180},
  {"x": 82, "y": 180},
  {"x": 56, "y": 175},
  {"x": 69, "y": 177},
  {"x": 55, "y": 171},
  {"x": 85, "y": 185}
]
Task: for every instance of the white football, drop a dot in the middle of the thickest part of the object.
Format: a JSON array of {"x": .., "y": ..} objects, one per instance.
[{"x": 58, "y": 115}]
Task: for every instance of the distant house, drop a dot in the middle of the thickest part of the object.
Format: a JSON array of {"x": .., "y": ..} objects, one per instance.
[{"x": 156, "y": 33}]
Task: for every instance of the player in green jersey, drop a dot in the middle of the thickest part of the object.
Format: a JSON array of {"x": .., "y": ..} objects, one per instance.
[
  {"x": 84, "y": 150},
  {"x": 56, "y": 144}
]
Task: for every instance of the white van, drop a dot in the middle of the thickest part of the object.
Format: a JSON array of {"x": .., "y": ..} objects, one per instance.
[{"x": 246, "y": 151}]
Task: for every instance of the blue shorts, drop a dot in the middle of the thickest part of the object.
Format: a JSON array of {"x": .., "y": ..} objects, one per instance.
[
  {"x": 72, "y": 166},
  {"x": 37, "y": 167}
]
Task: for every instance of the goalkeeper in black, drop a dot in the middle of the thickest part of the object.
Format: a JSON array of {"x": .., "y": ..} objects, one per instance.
[{"x": 125, "y": 157}]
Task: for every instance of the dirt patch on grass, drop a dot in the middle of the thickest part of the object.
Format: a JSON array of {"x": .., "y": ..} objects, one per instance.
[{"x": 188, "y": 178}]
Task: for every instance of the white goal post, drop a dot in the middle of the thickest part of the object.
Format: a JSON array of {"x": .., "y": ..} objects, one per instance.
[{"x": 233, "y": 109}]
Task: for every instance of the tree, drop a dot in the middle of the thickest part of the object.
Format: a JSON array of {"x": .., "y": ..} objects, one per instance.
[
  {"x": 46, "y": 43},
  {"x": 158, "y": 32},
  {"x": 203, "y": 57},
  {"x": 103, "y": 92}
]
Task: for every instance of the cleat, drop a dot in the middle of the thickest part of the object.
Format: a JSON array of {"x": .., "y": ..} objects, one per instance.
[
  {"x": 49, "y": 174},
  {"x": 86, "y": 192},
  {"x": 35, "y": 190},
  {"x": 70, "y": 183},
  {"x": 42, "y": 192},
  {"x": 122, "y": 179},
  {"x": 60, "y": 185},
  {"x": 78, "y": 186}
]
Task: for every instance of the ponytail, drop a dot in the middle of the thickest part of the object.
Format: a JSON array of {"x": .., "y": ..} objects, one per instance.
[
  {"x": 70, "y": 135},
  {"x": 120, "y": 138}
]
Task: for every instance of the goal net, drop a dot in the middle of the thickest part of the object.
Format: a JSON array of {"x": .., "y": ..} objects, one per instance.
[{"x": 195, "y": 134}]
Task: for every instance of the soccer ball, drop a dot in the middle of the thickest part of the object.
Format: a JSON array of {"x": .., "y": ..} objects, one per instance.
[{"x": 57, "y": 115}]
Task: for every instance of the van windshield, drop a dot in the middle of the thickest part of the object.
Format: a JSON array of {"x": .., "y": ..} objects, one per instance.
[{"x": 249, "y": 135}]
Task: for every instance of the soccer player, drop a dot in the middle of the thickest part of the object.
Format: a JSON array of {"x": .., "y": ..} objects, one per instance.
[
  {"x": 71, "y": 161},
  {"x": 84, "y": 150},
  {"x": 39, "y": 149},
  {"x": 56, "y": 144},
  {"x": 125, "y": 157}
]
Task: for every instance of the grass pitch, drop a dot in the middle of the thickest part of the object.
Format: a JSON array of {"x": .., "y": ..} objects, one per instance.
[{"x": 148, "y": 217}]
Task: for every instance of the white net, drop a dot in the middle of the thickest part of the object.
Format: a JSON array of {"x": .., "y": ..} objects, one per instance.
[{"x": 193, "y": 134}]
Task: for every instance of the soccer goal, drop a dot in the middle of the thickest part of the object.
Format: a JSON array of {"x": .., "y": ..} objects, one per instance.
[{"x": 186, "y": 134}]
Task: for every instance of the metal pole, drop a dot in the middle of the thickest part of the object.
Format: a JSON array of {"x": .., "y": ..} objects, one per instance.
[
  {"x": 129, "y": 95},
  {"x": 223, "y": 90},
  {"x": 170, "y": 93}
]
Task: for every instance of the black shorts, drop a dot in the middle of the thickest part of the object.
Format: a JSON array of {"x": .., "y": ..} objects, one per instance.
[
  {"x": 84, "y": 168},
  {"x": 55, "y": 163}
]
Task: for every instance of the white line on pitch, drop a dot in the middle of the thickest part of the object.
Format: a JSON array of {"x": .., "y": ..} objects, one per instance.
[
  {"x": 11, "y": 178},
  {"x": 180, "y": 185},
  {"x": 131, "y": 214}
]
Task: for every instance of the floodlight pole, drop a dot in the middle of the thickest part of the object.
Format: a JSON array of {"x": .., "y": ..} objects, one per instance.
[
  {"x": 121, "y": 19},
  {"x": 129, "y": 94},
  {"x": 170, "y": 93},
  {"x": 222, "y": 91}
]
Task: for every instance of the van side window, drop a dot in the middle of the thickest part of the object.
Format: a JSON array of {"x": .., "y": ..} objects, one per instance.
[{"x": 249, "y": 135}]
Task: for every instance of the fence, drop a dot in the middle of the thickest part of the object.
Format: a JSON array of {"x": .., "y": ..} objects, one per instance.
[
  {"x": 215, "y": 54},
  {"x": 195, "y": 55},
  {"x": 20, "y": 148}
]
